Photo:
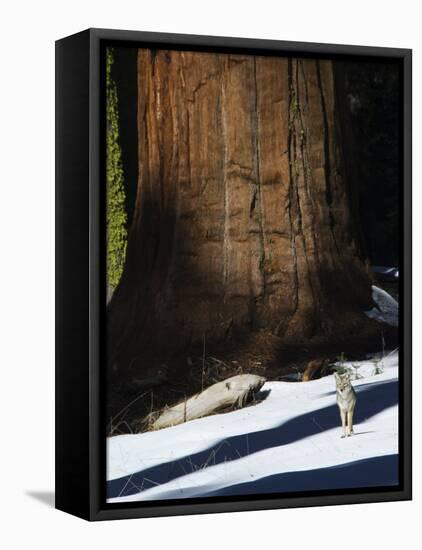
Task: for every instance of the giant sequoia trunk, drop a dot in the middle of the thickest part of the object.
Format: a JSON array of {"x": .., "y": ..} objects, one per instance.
[{"x": 242, "y": 221}]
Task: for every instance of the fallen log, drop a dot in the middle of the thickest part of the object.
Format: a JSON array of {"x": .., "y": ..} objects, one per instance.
[{"x": 231, "y": 392}]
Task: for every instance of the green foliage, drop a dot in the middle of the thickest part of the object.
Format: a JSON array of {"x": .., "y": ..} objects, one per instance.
[{"x": 116, "y": 197}]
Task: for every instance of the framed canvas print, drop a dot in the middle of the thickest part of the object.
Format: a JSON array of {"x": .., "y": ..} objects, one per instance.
[{"x": 233, "y": 274}]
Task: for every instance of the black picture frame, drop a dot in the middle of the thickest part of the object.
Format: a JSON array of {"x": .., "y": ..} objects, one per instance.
[{"x": 80, "y": 286}]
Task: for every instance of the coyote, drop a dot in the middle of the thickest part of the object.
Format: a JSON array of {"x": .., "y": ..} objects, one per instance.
[{"x": 346, "y": 401}]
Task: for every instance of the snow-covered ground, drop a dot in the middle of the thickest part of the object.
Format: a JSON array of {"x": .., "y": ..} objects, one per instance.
[{"x": 288, "y": 442}]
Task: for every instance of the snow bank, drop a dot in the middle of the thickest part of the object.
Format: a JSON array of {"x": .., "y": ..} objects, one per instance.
[
  {"x": 387, "y": 310},
  {"x": 289, "y": 442}
]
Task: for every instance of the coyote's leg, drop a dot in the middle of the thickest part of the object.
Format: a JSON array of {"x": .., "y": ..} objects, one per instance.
[
  {"x": 350, "y": 421},
  {"x": 343, "y": 422}
]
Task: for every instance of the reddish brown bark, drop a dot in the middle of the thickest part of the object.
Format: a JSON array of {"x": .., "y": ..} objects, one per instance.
[{"x": 242, "y": 220}]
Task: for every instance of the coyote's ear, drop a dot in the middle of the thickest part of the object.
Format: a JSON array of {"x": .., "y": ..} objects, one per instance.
[{"x": 336, "y": 376}]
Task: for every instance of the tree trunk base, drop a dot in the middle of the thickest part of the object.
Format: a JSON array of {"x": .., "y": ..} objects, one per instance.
[{"x": 261, "y": 353}]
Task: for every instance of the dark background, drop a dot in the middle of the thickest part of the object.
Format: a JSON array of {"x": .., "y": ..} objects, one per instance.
[{"x": 373, "y": 95}]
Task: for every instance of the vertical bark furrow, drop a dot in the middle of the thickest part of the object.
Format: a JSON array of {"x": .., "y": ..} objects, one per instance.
[
  {"x": 259, "y": 199},
  {"x": 327, "y": 157},
  {"x": 305, "y": 202},
  {"x": 226, "y": 238},
  {"x": 291, "y": 208}
]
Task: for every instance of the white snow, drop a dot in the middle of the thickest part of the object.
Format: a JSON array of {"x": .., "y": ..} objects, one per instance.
[
  {"x": 387, "y": 310},
  {"x": 288, "y": 442}
]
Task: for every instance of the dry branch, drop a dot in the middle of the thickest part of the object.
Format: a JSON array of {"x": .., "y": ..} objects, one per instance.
[{"x": 231, "y": 392}]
